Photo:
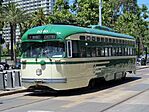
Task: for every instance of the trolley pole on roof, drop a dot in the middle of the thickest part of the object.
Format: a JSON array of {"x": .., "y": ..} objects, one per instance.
[{"x": 100, "y": 15}]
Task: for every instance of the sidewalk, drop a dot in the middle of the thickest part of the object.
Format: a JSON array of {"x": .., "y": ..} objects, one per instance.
[
  {"x": 11, "y": 91},
  {"x": 142, "y": 67},
  {"x": 19, "y": 90}
]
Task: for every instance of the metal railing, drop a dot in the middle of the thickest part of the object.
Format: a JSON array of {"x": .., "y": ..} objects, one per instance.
[{"x": 10, "y": 80}]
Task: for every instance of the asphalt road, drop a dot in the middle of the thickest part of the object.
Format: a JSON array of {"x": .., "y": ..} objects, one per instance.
[{"x": 131, "y": 95}]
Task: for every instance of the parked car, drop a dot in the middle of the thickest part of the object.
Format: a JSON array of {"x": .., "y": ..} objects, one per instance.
[
  {"x": 142, "y": 61},
  {"x": 139, "y": 61},
  {"x": 5, "y": 65},
  {"x": 1, "y": 67}
]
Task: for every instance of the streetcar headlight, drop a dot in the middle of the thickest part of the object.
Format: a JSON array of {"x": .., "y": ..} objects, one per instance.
[{"x": 38, "y": 72}]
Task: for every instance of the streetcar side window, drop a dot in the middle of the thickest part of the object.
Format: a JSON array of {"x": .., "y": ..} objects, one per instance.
[
  {"x": 117, "y": 52},
  {"x": 98, "y": 39},
  {"x": 109, "y": 51},
  {"x": 82, "y": 51},
  {"x": 134, "y": 51},
  {"x": 113, "y": 40},
  {"x": 123, "y": 51},
  {"x": 98, "y": 52},
  {"x": 106, "y": 40},
  {"x": 102, "y": 39},
  {"x": 113, "y": 51},
  {"x": 110, "y": 40},
  {"x": 89, "y": 52},
  {"x": 92, "y": 48},
  {"x": 106, "y": 51},
  {"x": 120, "y": 51},
  {"x": 93, "y": 52},
  {"x": 102, "y": 52},
  {"x": 131, "y": 52},
  {"x": 126, "y": 52}
]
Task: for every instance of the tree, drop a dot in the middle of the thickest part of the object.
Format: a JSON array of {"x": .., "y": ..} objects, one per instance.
[
  {"x": 146, "y": 39},
  {"x": 38, "y": 18},
  {"x": 135, "y": 25},
  {"x": 25, "y": 25},
  {"x": 61, "y": 13},
  {"x": 12, "y": 15},
  {"x": 145, "y": 25},
  {"x": 124, "y": 16},
  {"x": 86, "y": 12},
  {"x": 112, "y": 9},
  {"x": 1, "y": 2},
  {"x": 1, "y": 23}
]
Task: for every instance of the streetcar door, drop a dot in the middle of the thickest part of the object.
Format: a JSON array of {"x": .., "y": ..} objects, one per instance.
[{"x": 69, "y": 48}]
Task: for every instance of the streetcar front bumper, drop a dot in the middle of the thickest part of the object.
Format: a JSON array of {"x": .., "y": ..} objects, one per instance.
[{"x": 42, "y": 81}]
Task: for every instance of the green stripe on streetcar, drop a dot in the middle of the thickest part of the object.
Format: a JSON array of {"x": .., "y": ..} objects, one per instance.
[{"x": 79, "y": 62}]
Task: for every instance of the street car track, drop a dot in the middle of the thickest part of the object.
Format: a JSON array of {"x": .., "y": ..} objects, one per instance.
[
  {"x": 50, "y": 96},
  {"x": 21, "y": 104},
  {"x": 118, "y": 103},
  {"x": 135, "y": 95}
]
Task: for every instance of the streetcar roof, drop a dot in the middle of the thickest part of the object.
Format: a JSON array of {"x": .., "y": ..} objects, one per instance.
[{"x": 63, "y": 31}]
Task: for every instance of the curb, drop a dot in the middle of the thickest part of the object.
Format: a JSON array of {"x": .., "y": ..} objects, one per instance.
[
  {"x": 142, "y": 67},
  {"x": 4, "y": 93}
]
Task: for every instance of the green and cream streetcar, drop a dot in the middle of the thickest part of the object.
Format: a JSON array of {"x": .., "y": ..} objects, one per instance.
[{"x": 66, "y": 57}]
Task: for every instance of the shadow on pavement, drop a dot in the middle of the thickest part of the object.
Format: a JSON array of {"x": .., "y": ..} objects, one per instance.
[{"x": 103, "y": 85}]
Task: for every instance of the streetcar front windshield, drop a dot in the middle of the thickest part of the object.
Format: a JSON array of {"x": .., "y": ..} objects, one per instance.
[{"x": 46, "y": 49}]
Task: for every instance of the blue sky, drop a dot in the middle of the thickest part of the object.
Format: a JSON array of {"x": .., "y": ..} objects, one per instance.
[
  {"x": 140, "y": 2},
  {"x": 146, "y": 2}
]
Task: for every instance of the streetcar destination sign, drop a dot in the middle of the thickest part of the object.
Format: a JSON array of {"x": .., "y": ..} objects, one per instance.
[{"x": 42, "y": 37}]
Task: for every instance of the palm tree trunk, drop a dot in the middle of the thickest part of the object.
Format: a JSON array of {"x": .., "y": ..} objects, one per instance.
[
  {"x": 11, "y": 38},
  {"x": 13, "y": 41}
]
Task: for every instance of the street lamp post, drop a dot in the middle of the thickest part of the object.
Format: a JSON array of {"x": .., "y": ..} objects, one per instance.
[
  {"x": 145, "y": 50},
  {"x": 100, "y": 14},
  {"x": 138, "y": 45}
]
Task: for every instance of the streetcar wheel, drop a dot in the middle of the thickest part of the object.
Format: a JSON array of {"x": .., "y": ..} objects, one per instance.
[
  {"x": 124, "y": 76},
  {"x": 92, "y": 84}
]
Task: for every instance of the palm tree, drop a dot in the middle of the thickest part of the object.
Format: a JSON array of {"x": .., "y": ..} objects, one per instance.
[
  {"x": 1, "y": 2},
  {"x": 1, "y": 23},
  {"x": 38, "y": 18},
  {"x": 24, "y": 26},
  {"x": 11, "y": 15}
]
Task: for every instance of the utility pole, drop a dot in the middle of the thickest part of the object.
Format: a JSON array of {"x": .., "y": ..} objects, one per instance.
[{"x": 100, "y": 15}]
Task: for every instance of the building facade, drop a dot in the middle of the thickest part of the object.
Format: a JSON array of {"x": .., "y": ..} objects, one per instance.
[
  {"x": 33, "y": 5},
  {"x": 29, "y": 6}
]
